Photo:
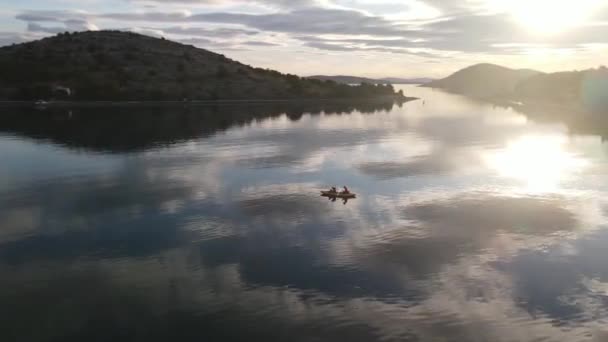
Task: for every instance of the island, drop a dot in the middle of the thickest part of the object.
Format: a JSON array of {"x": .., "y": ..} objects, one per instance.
[{"x": 126, "y": 66}]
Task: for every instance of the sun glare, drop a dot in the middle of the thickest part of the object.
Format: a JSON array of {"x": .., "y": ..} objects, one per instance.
[
  {"x": 540, "y": 162},
  {"x": 550, "y": 16}
]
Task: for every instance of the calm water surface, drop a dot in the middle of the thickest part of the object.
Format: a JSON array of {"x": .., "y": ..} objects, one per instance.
[{"x": 473, "y": 223}]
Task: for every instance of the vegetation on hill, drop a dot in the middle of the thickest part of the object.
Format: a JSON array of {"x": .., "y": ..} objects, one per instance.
[
  {"x": 483, "y": 80},
  {"x": 118, "y": 66}
]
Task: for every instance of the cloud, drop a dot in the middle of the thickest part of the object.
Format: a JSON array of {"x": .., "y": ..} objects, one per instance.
[
  {"x": 329, "y": 47},
  {"x": 268, "y": 3},
  {"x": 326, "y": 21},
  {"x": 258, "y": 43},
  {"x": 347, "y": 30},
  {"x": 424, "y": 31},
  {"x": 198, "y": 41},
  {"x": 8, "y": 38},
  {"x": 436, "y": 163},
  {"x": 148, "y": 31},
  {"x": 33, "y": 27},
  {"x": 176, "y": 16},
  {"x": 398, "y": 45},
  {"x": 50, "y": 16},
  {"x": 223, "y": 32},
  {"x": 496, "y": 34},
  {"x": 71, "y": 20},
  {"x": 69, "y": 25},
  {"x": 207, "y": 43},
  {"x": 567, "y": 284}
]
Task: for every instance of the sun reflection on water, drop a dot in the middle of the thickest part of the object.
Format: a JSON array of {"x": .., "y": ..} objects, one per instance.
[{"x": 541, "y": 162}]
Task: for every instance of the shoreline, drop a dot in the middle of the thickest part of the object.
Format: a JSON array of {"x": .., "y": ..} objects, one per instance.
[{"x": 195, "y": 102}]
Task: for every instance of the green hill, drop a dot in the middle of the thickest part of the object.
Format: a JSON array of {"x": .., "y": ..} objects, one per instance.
[{"x": 118, "y": 66}]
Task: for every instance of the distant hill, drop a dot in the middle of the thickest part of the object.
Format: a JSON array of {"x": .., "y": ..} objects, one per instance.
[
  {"x": 483, "y": 80},
  {"x": 566, "y": 93},
  {"x": 116, "y": 66},
  {"x": 587, "y": 89},
  {"x": 344, "y": 79},
  {"x": 396, "y": 80},
  {"x": 359, "y": 80}
]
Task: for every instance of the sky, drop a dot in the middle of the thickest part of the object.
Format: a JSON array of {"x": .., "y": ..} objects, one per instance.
[{"x": 374, "y": 38}]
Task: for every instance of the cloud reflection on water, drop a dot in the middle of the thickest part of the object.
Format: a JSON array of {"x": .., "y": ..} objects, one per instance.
[{"x": 209, "y": 239}]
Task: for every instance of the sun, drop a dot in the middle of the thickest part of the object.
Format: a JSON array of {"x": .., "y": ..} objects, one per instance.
[{"x": 550, "y": 16}]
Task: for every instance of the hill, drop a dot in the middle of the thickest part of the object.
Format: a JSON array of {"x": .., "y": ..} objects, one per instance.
[
  {"x": 561, "y": 92},
  {"x": 116, "y": 66},
  {"x": 483, "y": 80},
  {"x": 359, "y": 80},
  {"x": 587, "y": 88},
  {"x": 345, "y": 79},
  {"x": 397, "y": 80}
]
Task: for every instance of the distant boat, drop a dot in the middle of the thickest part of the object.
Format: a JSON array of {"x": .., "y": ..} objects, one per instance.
[{"x": 337, "y": 194}]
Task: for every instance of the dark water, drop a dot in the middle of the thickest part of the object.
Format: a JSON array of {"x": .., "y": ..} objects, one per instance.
[{"x": 472, "y": 223}]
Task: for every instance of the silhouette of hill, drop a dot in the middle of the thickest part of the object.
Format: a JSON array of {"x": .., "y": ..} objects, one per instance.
[
  {"x": 483, "y": 80},
  {"x": 115, "y": 66},
  {"x": 587, "y": 89},
  {"x": 345, "y": 79},
  {"x": 397, "y": 80},
  {"x": 574, "y": 92},
  {"x": 359, "y": 80}
]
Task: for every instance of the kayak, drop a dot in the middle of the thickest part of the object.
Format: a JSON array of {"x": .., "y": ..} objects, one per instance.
[{"x": 337, "y": 194}]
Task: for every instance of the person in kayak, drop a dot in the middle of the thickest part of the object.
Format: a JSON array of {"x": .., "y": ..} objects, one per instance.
[
  {"x": 333, "y": 190},
  {"x": 345, "y": 191}
]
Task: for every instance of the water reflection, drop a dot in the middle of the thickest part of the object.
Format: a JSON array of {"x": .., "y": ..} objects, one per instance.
[
  {"x": 335, "y": 199},
  {"x": 471, "y": 224},
  {"x": 541, "y": 162},
  {"x": 124, "y": 129}
]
